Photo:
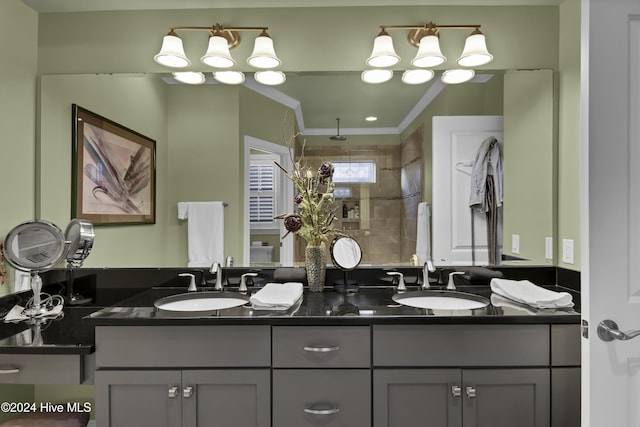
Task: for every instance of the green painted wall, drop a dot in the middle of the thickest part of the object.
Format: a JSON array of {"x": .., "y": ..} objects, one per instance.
[
  {"x": 529, "y": 149},
  {"x": 569, "y": 131},
  {"x": 138, "y": 102},
  {"x": 18, "y": 69},
  {"x": 15, "y": 393}
]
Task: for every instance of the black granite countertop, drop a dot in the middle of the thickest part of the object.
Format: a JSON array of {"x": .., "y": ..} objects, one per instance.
[
  {"x": 371, "y": 305},
  {"x": 67, "y": 334}
]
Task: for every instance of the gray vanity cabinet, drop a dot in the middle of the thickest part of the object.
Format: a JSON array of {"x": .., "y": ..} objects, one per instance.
[
  {"x": 183, "y": 376},
  {"x": 461, "y": 398},
  {"x": 321, "y": 376},
  {"x": 461, "y": 375}
]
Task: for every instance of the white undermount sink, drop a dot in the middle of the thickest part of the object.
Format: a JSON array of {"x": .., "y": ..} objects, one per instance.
[
  {"x": 200, "y": 301},
  {"x": 441, "y": 300}
]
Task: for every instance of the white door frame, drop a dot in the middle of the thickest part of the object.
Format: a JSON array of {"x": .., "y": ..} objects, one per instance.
[{"x": 285, "y": 195}]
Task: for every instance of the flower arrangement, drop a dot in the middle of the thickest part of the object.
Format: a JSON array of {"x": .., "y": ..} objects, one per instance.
[{"x": 316, "y": 210}]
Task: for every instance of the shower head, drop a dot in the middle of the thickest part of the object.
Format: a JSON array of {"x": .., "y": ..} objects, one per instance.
[{"x": 337, "y": 136}]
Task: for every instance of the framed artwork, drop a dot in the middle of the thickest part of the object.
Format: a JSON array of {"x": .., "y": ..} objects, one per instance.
[{"x": 113, "y": 173}]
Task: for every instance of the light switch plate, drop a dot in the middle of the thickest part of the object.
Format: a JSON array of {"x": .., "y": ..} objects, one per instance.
[
  {"x": 567, "y": 251},
  {"x": 548, "y": 247},
  {"x": 515, "y": 243}
]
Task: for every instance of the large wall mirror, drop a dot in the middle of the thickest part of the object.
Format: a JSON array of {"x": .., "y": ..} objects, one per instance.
[
  {"x": 399, "y": 145},
  {"x": 200, "y": 130}
]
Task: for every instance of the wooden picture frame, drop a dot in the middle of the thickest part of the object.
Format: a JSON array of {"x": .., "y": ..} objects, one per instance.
[{"x": 113, "y": 172}]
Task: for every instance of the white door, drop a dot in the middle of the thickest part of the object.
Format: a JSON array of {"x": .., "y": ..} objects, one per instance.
[
  {"x": 456, "y": 140},
  {"x": 610, "y": 199}
]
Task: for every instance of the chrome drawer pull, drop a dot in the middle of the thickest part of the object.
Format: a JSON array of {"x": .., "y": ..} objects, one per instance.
[
  {"x": 317, "y": 349},
  {"x": 322, "y": 409},
  {"x": 173, "y": 392},
  {"x": 456, "y": 390},
  {"x": 187, "y": 392},
  {"x": 9, "y": 371},
  {"x": 471, "y": 392}
]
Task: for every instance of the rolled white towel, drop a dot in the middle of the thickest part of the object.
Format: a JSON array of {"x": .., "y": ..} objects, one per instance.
[
  {"x": 525, "y": 292},
  {"x": 277, "y": 296}
]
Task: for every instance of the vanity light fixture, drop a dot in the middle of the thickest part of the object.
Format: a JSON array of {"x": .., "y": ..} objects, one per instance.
[
  {"x": 221, "y": 41},
  {"x": 376, "y": 76},
  {"x": 229, "y": 77},
  {"x": 427, "y": 39},
  {"x": 417, "y": 76},
  {"x": 458, "y": 76},
  {"x": 270, "y": 77},
  {"x": 189, "y": 77}
]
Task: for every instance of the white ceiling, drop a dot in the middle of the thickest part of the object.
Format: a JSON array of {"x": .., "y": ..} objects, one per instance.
[{"x": 49, "y": 6}]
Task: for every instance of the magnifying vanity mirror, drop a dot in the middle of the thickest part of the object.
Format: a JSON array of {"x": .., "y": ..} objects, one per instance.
[
  {"x": 346, "y": 255},
  {"x": 34, "y": 247},
  {"x": 80, "y": 235}
]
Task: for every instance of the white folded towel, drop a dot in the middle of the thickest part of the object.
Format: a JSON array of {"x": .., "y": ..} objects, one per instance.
[
  {"x": 525, "y": 292},
  {"x": 277, "y": 296}
]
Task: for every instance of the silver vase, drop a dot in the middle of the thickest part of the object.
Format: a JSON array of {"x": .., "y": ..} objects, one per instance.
[{"x": 315, "y": 260}]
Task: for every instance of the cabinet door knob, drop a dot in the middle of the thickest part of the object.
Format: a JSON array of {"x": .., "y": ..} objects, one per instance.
[
  {"x": 321, "y": 349},
  {"x": 187, "y": 392},
  {"x": 173, "y": 392},
  {"x": 322, "y": 409},
  {"x": 456, "y": 390},
  {"x": 471, "y": 392}
]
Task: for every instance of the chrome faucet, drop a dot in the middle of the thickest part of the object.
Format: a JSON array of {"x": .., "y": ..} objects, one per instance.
[
  {"x": 451, "y": 285},
  {"x": 192, "y": 282},
  {"x": 216, "y": 269},
  {"x": 401, "y": 286},
  {"x": 427, "y": 268}
]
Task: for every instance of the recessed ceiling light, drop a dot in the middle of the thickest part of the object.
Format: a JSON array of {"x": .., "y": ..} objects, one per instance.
[{"x": 371, "y": 118}]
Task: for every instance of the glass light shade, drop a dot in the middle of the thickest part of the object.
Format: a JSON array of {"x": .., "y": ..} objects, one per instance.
[
  {"x": 229, "y": 77},
  {"x": 189, "y": 77},
  {"x": 475, "y": 51},
  {"x": 172, "y": 53},
  {"x": 263, "y": 56},
  {"x": 218, "y": 55},
  {"x": 270, "y": 78},
  {"x": 452, "y": 77},
  {"x": 383, "y": 54},
  {"x": 429, "y": 54},
  {"x": 376, "y": 76},
  {"x": 416, "y": 77}
]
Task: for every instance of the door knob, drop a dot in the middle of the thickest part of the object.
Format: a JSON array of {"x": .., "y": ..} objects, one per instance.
[{"x": 608, "y": 331}]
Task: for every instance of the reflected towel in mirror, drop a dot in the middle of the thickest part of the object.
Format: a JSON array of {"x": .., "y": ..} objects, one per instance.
[{"x": 205, "y": 231}]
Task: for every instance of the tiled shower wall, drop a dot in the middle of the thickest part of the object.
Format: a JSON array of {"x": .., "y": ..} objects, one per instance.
[{"x": 387, "y": 224}]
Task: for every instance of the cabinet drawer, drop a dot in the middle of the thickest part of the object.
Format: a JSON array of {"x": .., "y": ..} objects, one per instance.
[
  {"x": 461, "y": 345},
  {"x": 327, "y": 397},
  {"x": 321, "y": 347},
  {"x": 41, "y": 369},
  {"x": 183, "y": 346}
]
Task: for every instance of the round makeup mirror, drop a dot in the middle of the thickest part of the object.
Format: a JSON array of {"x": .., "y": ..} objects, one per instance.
[
  {"x": 346, "y": 255},
  {"x": 36, "y": 246},
  {"x": 80, "y": 235}
]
